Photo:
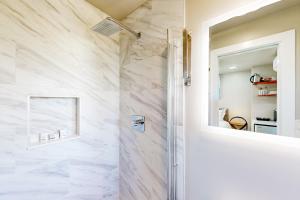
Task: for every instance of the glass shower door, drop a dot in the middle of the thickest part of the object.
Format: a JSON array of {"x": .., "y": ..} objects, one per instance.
[{"x": 176, "y": 150}]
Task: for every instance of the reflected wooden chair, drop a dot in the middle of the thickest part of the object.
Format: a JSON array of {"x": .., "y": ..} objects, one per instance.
[{"x": 238, "y": 123}]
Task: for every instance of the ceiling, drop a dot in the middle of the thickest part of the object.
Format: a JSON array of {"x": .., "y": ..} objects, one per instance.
[
  {"x": 118, "y": 9},
  {"x": 246, "y": 60}
]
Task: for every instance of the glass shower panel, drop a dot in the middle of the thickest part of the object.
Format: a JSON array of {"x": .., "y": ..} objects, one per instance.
[{"x": 176, "y": 142}]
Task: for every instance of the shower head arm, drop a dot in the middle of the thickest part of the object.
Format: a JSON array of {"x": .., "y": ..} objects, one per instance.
[{"x": 124, "y": 27}]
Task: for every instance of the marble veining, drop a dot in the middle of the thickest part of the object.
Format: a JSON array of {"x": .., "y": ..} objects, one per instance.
[
  {"x": 7, "y": 64},
  {"x": 143, "y": 78},
  {"x": 48, "y": 49}
]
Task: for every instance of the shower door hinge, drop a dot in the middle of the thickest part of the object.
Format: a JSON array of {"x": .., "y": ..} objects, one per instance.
[{"x": 187, "y": 80}]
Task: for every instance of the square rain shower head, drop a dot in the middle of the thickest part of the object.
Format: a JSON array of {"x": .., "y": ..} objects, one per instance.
[
  {"x": 110, "y": 26},
  {"x": 107, "y": 27}
]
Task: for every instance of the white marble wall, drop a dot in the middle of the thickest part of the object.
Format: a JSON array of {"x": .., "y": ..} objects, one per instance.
[
  {"x": 48, "y": 49},
  {"x": 143, "y": 156},
  {"x": 7, "y": 64}
]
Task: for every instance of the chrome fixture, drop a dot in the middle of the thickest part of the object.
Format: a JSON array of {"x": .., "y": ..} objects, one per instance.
[
  {"x": 171, "y": 130},
  {"x": 138, "y": 123},
  {"x": 110, "y": 26},
  {"x": 175, "y": 123}
]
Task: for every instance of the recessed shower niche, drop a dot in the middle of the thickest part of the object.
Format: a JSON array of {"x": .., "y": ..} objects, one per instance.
[{"x": 52, "y": 119}]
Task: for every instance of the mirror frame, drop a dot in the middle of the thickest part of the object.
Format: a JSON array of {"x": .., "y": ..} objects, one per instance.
[{"x": 204, "y": 76}]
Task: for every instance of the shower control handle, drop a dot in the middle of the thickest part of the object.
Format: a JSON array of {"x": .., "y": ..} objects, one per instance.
[{"x": 138, "y": 123}]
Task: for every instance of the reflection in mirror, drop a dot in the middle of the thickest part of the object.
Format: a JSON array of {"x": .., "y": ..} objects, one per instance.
[{"x": 252, "y": 71}]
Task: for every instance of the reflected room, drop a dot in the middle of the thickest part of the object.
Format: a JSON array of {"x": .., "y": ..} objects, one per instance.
[{"x": 252, "y": 71}]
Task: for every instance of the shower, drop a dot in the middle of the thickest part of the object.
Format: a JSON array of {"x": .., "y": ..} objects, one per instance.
[{"x": 110, "y": 26}]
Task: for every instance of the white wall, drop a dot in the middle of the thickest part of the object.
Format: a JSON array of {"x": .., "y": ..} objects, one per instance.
[
  {"x": 235, "y": 94},
  {"x": 222, "y": 167}
]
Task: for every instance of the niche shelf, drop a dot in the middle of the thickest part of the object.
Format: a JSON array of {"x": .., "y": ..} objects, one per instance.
[{"x": 52, "y": 120}]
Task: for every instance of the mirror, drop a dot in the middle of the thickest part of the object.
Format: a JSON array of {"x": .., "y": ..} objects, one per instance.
[{"x": 252, "y": 72}]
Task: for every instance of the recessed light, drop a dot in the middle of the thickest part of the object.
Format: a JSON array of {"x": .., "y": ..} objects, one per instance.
[{"x": 233, "y": 67}]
